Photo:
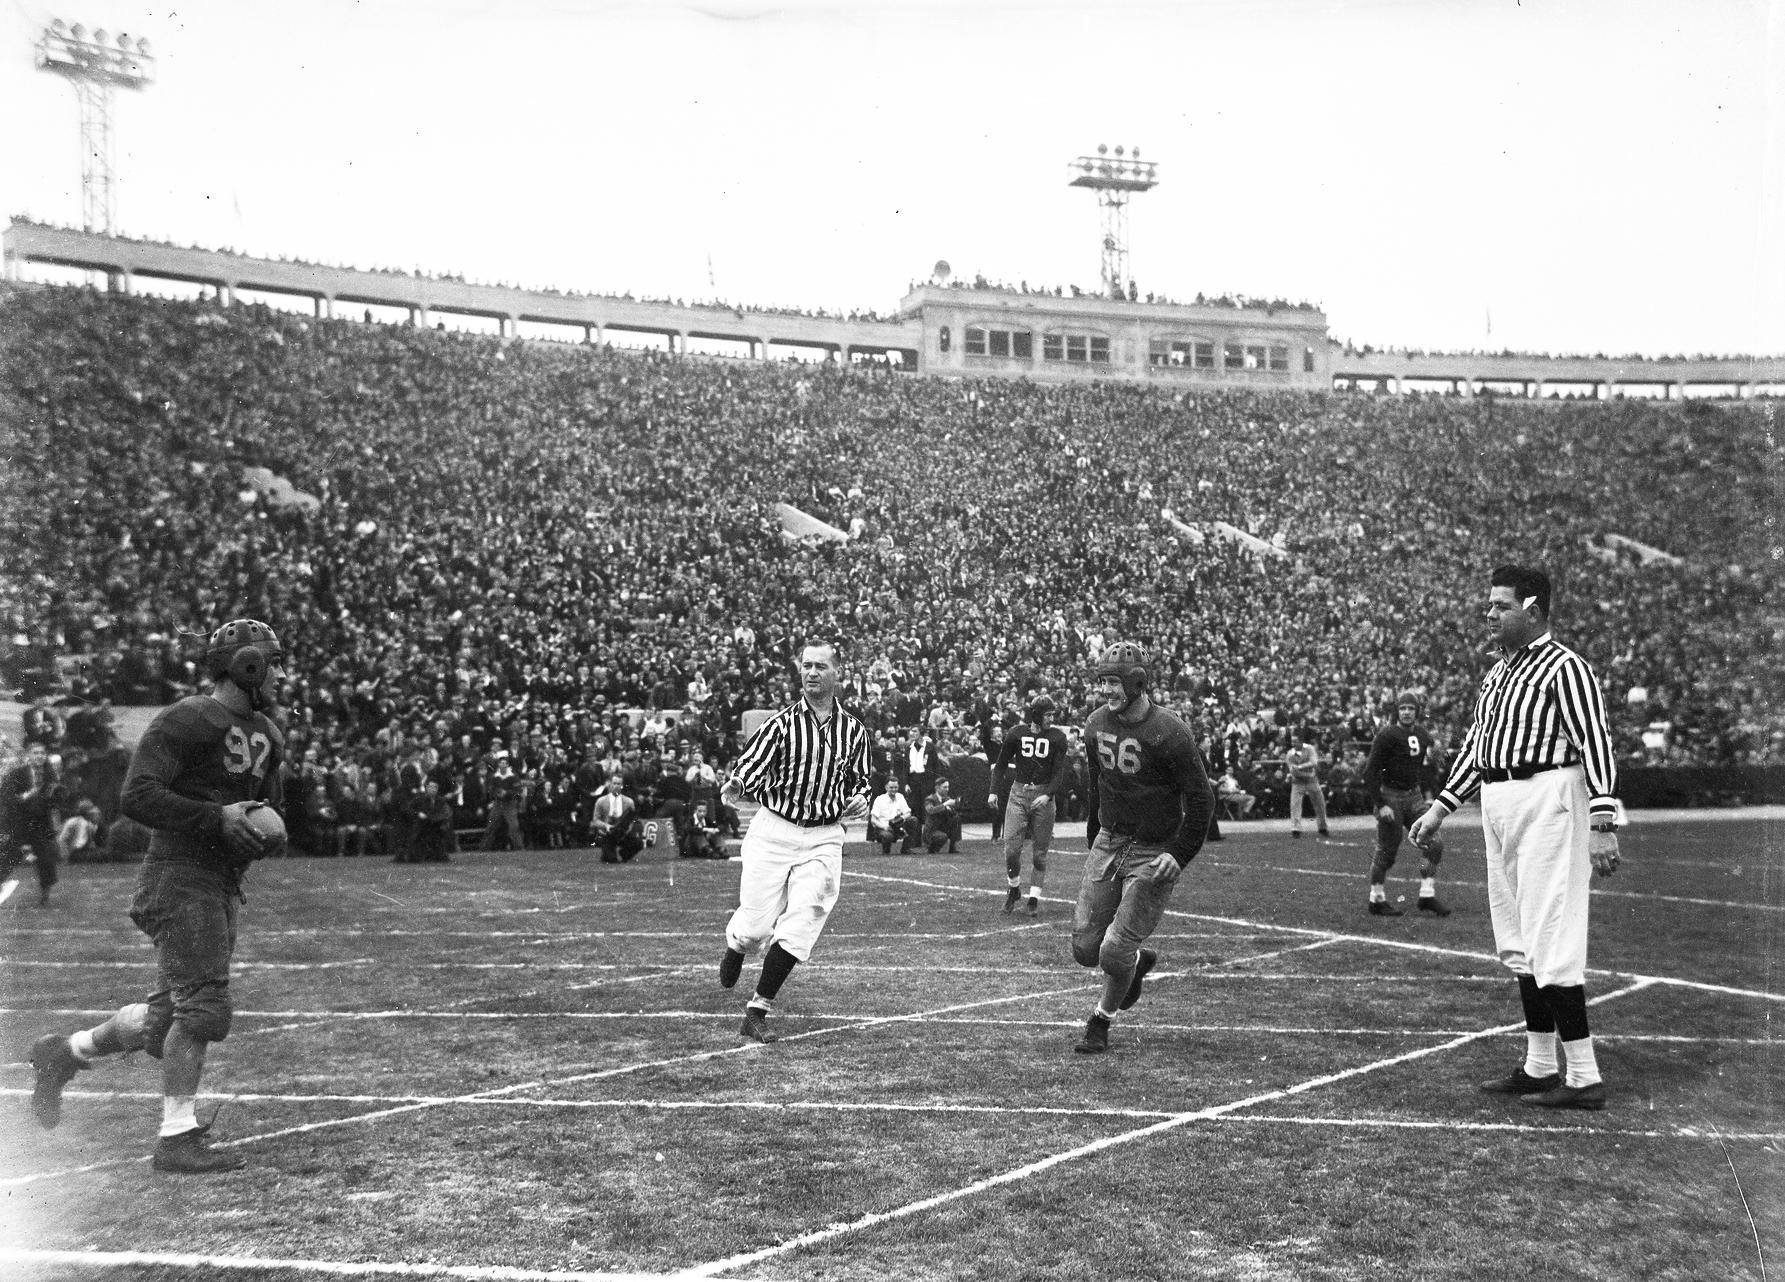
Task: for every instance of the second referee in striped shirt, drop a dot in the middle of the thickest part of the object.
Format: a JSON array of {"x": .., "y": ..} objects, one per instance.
[
  {"x": 1540, "y": 755},
  {"x": 807, "y": 767}
]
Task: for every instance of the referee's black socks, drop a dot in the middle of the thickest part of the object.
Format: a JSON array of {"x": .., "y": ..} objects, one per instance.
[{"x": 777, "y": 965}]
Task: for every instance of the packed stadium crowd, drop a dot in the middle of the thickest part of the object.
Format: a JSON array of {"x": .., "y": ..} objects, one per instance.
[{"x": 529, "y": 567}]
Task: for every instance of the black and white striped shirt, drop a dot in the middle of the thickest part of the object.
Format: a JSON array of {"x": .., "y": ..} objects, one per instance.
[
  {"x": 804, "y": 771},
  {"x": 1538, "y": 706}
]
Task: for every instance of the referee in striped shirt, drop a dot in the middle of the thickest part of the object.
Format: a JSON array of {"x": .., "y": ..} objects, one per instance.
[
  {"x": 1540, "y": 755},
  {"x": 807, "y": 766}
]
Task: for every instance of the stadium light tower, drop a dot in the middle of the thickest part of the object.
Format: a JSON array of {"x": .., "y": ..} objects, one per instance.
[
  {"x": 95, "y": 64},
  {"x": 1114, "y": 179}
]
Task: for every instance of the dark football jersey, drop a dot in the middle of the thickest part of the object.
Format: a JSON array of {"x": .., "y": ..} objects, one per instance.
[
  {"x": 195, "y": 758},
  {"x": 1403, "y": 758},
  {"x": 1037, "y": 756},
  {"x": 1143, "y": 771}
]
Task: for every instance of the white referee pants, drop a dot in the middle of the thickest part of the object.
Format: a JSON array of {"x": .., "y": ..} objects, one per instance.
[
  {"x": 1538, "y": 872},
  {"x": 790, "y": 881}
]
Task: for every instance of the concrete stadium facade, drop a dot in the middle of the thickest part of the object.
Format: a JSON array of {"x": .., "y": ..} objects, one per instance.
[{"x": 948, "y": 331}]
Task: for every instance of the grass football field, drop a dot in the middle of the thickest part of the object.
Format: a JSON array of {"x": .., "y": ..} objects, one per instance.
[{"x": 521, "y": 1066}]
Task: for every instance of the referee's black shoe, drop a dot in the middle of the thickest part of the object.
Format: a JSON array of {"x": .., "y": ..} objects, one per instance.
[
  {"x": 1590, "y": 1097},
  {"x": 1519, "y": 1082},
  {"x": 1382, "y": 908},
  {"x": 755, "y": 1027},
  {"x": 730, "y": 967}
]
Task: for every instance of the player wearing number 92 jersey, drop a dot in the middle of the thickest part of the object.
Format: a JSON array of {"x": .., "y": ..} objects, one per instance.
[
  {"x": 202, "y": 768},
  {"x": 196, "y": 757}
]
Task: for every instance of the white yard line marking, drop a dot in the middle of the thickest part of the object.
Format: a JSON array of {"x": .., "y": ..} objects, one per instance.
[
  {"x": 744, "y": 1259},
  {"x": 1517, "y": 1128},
  {"x": 625, "y": 1105},
  {"x": 328, "y": 1268},
  {"x": 517, "y": 1087},
  {"x": 1407, "y": 945}
]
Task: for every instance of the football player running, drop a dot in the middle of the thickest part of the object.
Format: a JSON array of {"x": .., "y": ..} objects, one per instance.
[
  {"x": 1402, "y": 772},
  {"x": 1149, "y": 810},
  {"x": 1036, "y": 752},
  {"x": 202, "y": 765}
]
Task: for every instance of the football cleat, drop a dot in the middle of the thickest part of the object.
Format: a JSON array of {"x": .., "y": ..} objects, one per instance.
[
  {"x": 1434, "y": 905},
  {"x": 730, "y": 967},
  {"x": 189, "y": 1153},
  {"x": 1590, "y": 1097},
  {"x": 1010, "y": 898},
  {"x": 755, "y": 1027},
  {"x": 1096, "y": 1038},
  {"x": 1034, "y": 905},
  {"x": 1142, "y": 966},
  {"x": 1382, "y": 908},
  {"x": 1296, "y": 833},
  {"x": 1519, "y": 1082},
  {"x": 56, "y": 1064}
]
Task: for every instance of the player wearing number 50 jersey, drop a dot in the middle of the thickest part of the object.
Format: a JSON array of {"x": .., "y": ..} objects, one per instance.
[
  {"x": 1035, "y": 753},
  {"x": 1150, "y": 805},
  {"x": 201, "y": 767}
]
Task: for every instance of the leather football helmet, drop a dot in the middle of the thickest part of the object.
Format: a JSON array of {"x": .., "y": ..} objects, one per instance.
[
  {"x": 1127, "y": 661},
  {"x": 242, "y": 650}
]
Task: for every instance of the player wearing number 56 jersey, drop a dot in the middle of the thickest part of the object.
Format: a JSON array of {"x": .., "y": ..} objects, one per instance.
[
  {"x": 1150, "y": 804},
  {"x": 1035, "y": 753},
  {"x": 201, "y": 767}
]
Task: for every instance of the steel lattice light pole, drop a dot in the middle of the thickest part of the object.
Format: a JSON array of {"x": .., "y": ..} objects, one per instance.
[
  {"x": 1114, "y": 179},
  {"x": 95, "y": 63}
]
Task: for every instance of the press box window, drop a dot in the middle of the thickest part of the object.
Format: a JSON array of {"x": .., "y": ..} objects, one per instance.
[
  {"x": 1180, "y": 352},
  {"x": 1000, "y": 342},
  {"x": 1075, "y": 348}
]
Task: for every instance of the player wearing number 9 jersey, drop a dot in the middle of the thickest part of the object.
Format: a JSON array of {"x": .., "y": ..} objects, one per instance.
[
  {"x": 198, "y": 770},
  {"x": 1150, "y": 803}
]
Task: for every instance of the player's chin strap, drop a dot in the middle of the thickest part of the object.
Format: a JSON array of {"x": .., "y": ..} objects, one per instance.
[{"x": 257, "y": 702}]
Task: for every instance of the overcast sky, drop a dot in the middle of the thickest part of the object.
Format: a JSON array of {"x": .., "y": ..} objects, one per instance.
[{"x": 1603, "y": 175}]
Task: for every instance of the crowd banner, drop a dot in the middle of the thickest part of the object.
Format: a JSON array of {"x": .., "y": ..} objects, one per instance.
[
  {"x": 797, "y": 526},
  {"x": 1251, "y": 542}
]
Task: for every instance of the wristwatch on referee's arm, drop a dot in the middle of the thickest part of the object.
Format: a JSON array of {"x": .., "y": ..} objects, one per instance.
[{"x": 1606, "y": 824}]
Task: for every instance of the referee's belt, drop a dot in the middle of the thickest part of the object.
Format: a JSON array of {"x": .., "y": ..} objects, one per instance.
[
  {"x": 800, "y": 823},
  {"x": 1491, "y": 774}
]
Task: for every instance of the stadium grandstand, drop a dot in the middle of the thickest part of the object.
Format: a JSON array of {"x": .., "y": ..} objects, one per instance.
[{"x": 480, "y": 541}]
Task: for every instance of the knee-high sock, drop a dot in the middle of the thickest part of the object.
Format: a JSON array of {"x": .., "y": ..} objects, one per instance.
[{"x": 776, "y": 967}]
